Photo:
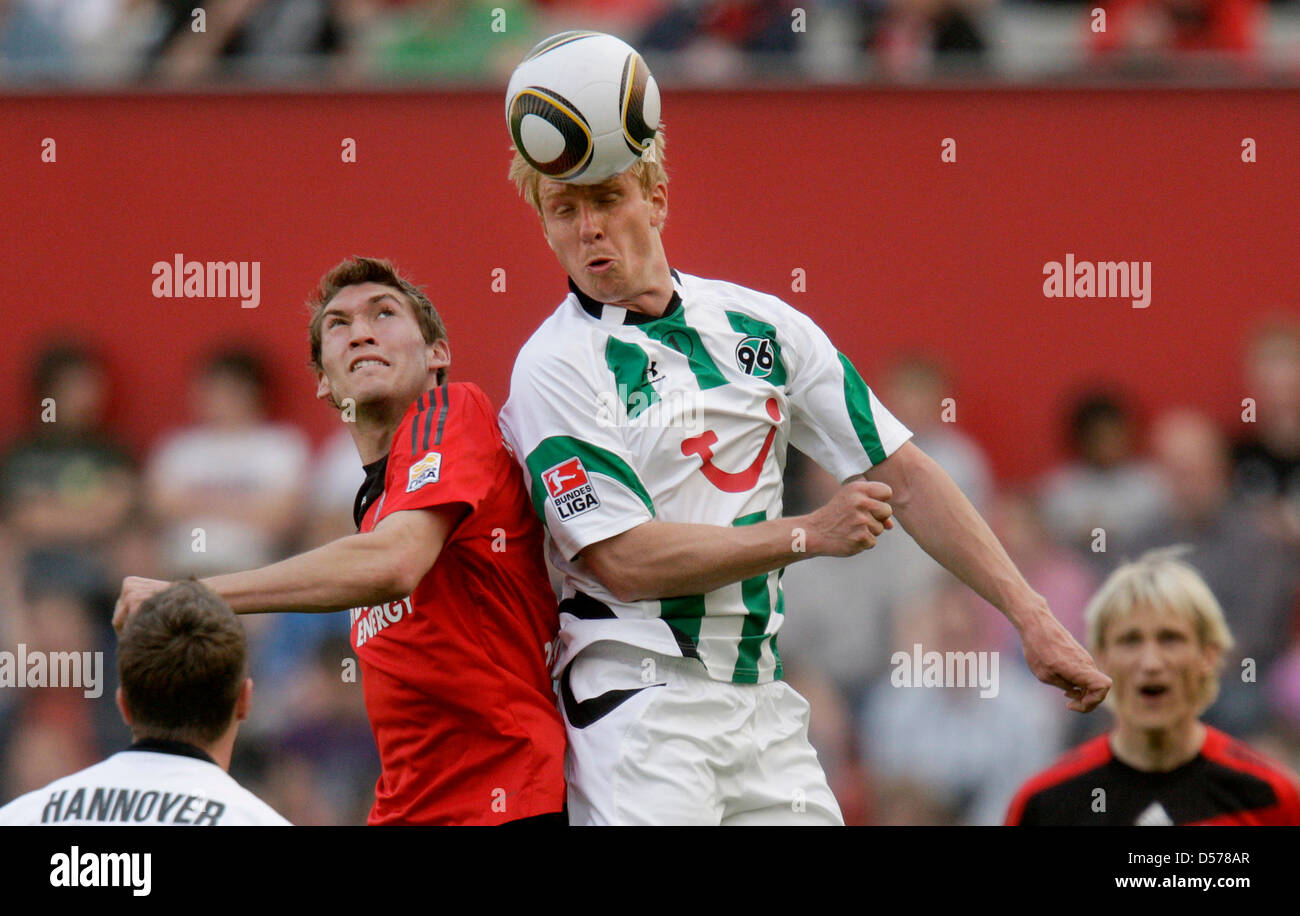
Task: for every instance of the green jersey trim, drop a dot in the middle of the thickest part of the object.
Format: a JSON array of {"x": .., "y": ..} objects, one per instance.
[
  {"x": 673, "y": 331},
  {"x": 857, "y": 397},
  {"x": 554, "y": 449},
  {"x": 758, "y": 601},
  {"x": 753, "y": 327},
  {"x": 684, "y": 614},
  {"x": 630, "y": 365}
]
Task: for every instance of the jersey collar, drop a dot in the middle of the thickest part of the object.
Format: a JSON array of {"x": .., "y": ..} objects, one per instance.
[
  {"x": 179, "y": 748},
  {"x": 619, "y": 315},
  {"x": 371, "y": 488}
]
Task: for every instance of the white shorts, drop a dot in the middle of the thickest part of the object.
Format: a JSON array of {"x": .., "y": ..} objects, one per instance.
[{"x": 655, "y": 740}]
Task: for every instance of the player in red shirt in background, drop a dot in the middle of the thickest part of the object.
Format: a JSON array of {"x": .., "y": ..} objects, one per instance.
[
  {"x": 1158, "y": 631},
  {"x": 453, "y": 615}
]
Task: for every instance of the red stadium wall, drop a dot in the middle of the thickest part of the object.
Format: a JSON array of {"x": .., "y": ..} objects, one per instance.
[{"x": 901, "y": 251}]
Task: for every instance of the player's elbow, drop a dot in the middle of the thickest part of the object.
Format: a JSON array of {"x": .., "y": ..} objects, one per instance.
[
  {"x": 617, "y": 582},
  {"x": 409, "y": 567},
  {"x": 401, "y": 551},
  {"x": 619, "y": 577},
  {"x": 404, "y": 580},
  {"x": 389, "y": 576},
  {"x": 901, "y": 470},
  {"x": 627, "y": 589}
]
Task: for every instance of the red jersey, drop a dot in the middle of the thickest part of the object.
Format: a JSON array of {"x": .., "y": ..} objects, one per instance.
[
  {"x": 1226, "y": 783},
  {"x": 456, "y": 675}
]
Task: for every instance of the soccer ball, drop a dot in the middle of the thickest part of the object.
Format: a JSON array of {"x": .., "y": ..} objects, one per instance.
[{"x": 582, "y": 107}]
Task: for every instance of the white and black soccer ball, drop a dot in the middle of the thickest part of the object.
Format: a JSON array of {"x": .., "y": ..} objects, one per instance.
[{"x": 582, "y": 107}]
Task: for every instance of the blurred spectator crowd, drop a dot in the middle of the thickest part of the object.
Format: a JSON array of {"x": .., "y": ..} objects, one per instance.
[
  {"x": 900, "y": 755},
  {"x": 231, "y": 489},
  {"x": 337, "y": 43}
]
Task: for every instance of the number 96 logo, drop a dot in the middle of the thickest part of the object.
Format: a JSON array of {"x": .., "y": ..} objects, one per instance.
[{"x": 754, "y": 356}]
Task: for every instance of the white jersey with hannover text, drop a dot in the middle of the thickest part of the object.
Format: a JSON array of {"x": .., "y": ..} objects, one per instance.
[{"x": 143, "y": 788}]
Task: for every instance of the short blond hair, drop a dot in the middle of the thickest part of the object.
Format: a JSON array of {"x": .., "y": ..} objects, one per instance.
[
  {"x": 1160, "y": 579},
  {"x": 649, "y": 171}
]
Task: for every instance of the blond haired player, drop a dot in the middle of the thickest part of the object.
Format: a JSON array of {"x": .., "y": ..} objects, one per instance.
[
  {"x": 1156, "y": 628},
  {"x": 669, "y": 533}
]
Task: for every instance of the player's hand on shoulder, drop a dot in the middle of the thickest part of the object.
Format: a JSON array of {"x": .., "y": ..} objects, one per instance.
[
  {"x": 135, "y": 591},
  {"x": 1055, "y": 657},
  {"x": 850, "y": 522}
]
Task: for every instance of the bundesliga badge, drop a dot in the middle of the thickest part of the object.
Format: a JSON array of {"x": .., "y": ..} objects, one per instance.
[
  {"x": 571, "y": 492},
  {"x": 424, "y": 471}
]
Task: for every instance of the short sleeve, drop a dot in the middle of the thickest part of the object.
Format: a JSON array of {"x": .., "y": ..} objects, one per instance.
[
  {"x": 444, "y": 451},
  {"x": 836, "y": 419},
  {"x": 581, "y": 477}
]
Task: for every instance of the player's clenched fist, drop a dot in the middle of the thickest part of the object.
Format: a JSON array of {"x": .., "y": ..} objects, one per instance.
[
  {"x": 135, "y": 591},
  {"x": 852, "y": 520},
  {"x": 1056, "y": 658}
]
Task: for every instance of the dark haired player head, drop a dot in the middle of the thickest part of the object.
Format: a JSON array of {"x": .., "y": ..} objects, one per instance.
[
  {"x": 377, "y": 343},
  {"x": 357, "y": 271},
  {"x": 183, "y": 668}
]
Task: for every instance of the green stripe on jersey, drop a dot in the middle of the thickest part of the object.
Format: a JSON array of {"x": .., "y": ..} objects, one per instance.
[
  {"x": 685, "y": 614},
  {"x": 673, "y": 331},
  {"x": 857, "y": 397},
  {"x": 758, "y": 601},
  {"x": 752, "y": 327},
  {"x": 629, "y": 363},
  {"x": 555, "y": 449}
]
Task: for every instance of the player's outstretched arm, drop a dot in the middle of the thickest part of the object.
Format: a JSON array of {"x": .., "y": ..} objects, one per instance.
[
  {"x": 934, "y": 511},
  {"x": 362, "y": 569},
  {"x": 662, "y": 559}
]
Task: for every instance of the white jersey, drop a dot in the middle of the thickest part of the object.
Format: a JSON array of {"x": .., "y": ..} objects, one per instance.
[
  {"x": 144, "y": 788},
  {"x": 619, "y": 418}
]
